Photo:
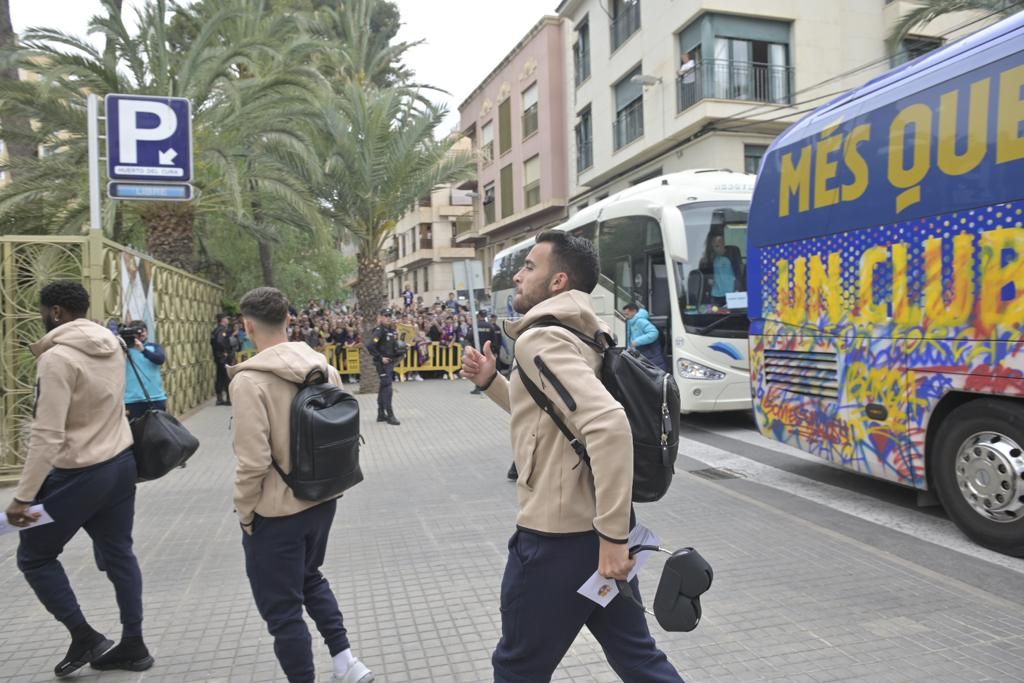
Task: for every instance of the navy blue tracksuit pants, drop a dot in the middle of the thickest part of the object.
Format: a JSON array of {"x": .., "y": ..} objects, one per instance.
[
  {"x": 541, "y": 614},
  {"x": 283, "y": 558},
  {"x": 101, "y": 500}
]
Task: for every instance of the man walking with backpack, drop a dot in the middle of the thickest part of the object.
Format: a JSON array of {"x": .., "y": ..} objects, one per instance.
[
  {"x": 285, "y": 537},
  {"x": 573, "y": 519}
]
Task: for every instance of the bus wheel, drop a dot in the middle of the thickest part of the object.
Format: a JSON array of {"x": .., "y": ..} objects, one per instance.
[{"x": 979, "y": 472}]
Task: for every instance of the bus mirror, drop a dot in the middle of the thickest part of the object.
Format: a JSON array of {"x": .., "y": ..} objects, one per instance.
[{"x": 672, "y": 225}]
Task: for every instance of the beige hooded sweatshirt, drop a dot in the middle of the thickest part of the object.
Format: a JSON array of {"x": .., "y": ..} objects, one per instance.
[
  {"x": 262, "y": 389},
  {"x": 557, "y": 494},
  {"x": 79, "y": 416}
]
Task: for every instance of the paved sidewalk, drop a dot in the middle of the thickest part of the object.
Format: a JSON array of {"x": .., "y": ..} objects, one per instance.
[{"x": 417, "y": 555}]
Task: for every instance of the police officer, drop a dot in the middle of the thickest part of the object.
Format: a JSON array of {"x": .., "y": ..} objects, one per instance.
[{"x": 384, "y": 347}]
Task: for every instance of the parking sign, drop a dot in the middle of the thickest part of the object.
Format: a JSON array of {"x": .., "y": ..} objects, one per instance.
[{"x": 149, "y": 138}]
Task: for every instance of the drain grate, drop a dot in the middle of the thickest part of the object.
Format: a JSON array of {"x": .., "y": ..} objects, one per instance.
[{"x": 716, "y": 473}]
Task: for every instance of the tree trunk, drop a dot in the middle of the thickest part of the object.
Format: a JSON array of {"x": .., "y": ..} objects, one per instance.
[
  {"x": 371, "y": 292},
  {"x": 267, "y": 262},
  {"x": 17, "y": 131},
  {"x": 169, "y": 233}
]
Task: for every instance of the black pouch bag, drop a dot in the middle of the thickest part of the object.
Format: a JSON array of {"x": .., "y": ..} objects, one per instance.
[{"x": 685, "y": 577}]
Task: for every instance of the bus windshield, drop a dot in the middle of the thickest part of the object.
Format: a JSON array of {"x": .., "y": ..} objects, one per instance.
[{"x": 713, "y": 296}]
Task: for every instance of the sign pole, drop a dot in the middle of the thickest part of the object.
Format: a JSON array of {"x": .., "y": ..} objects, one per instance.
[
  {"x": 472, "y": 305},
  {"x": 92, "y": 114}
]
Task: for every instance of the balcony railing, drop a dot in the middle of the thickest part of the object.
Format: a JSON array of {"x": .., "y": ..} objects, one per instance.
[
  {"x": 584, "y": 155},
  {"x": 629, "y": 124},
  {"x": 530, "y": 121},
  {"x": 724, "y": 79},
  {"x": 625, "y": 24},
  {"x": 531, "y": 194}
]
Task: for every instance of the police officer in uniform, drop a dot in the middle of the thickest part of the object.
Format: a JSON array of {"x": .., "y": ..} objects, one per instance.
[{"x": 384, "y": 346}]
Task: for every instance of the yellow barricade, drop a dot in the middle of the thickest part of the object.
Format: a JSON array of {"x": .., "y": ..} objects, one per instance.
[{"x": 447, "y": 359}]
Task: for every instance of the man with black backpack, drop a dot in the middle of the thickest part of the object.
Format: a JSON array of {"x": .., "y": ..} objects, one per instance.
[
  {"x": 573, "y": 517},
  {"x": 285, "y": 536}
]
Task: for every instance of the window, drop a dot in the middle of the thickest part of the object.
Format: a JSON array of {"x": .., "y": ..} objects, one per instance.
[
  {"x": 426, "y": 236},
  {"x": 488, "y": 203},
  {"x": 912, "y": 47},
  {"x": 629, "y": 110},
  {"x": 584, "y": 141},
  {"x": 508, "y": 205},
  {"x": 625, "y": 21},
  {"x": 748, "y": 59},
  {"x": 487, "y": 142},
  {"x": 531, "y": 182},
  {"x": 505, "y": 126},
  {"x": 752, "y": 155},
  {"x": 581, "y": 52},
  {"x": 530, "y": 111}
]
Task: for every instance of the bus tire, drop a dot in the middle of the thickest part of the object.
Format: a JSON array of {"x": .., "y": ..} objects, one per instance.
[{"x": 977, "y": 468}]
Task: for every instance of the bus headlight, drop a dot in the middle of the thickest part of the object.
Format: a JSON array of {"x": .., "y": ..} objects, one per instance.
[{"x": 690, "y": 370}]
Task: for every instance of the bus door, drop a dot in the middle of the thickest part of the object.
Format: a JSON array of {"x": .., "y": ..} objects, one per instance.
[{"x": 632, "y": 258}]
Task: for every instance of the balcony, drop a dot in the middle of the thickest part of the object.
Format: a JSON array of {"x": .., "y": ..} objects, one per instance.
[
  {"x": 625, "y": 24},
  {"x": 724, "y": 79},
  {"x": 629, "y": 123}
]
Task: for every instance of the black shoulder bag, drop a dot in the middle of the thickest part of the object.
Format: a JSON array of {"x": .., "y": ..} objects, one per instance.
[{"x": 161, "y": 441}]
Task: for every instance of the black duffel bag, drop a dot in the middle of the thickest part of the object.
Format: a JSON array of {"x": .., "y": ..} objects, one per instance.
[{"x": 161, "y": 441}]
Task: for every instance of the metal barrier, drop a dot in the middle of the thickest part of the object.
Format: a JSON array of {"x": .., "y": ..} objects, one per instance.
[
  {"x": 180, "y": 306},
  {"x": 446, "y": 359}
]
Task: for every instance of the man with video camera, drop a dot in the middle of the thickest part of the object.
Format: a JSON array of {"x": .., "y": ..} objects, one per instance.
[{"x": 144, "y": 378}]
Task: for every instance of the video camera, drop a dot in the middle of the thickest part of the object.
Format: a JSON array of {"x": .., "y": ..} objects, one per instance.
[{"x": 129, "y": 332}]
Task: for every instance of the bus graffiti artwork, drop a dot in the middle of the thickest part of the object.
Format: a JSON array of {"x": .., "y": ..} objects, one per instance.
[{"x": 886, "y": 281}]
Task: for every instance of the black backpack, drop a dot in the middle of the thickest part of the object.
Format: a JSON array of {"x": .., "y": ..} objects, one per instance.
[
  {"x": 324, "y": 440},
  {"x": 650, "y": 398}
]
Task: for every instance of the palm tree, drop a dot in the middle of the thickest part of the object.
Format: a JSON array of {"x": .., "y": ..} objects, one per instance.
[
  {"x": 51, "y": 191},
  {"x": 382, "y": 158},
  {"x": 929, "y": 10}
]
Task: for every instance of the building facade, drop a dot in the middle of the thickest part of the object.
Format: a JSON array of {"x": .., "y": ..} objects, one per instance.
[
  {"x": 658, "y": 86},
  {"x": 516, "y": 120},
  {"x": 423, "y": 246}
]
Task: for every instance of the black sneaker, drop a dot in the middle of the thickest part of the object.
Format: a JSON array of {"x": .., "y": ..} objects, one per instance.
[
  {"x": 131, "y": 654},
  {"x": 81, "y": 653}
]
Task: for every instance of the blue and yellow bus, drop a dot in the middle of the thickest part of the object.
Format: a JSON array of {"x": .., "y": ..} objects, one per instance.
[{"x": 886, "y": 282}]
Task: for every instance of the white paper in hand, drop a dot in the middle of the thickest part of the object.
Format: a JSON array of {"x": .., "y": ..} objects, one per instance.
[
  {"x": 602, "y": 590},
  {"x": 44, "y": 518}
]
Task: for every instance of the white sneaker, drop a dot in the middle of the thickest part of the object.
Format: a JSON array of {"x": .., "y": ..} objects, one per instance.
[
  {"x": 357, "y": 673},
  {"x": 418, "y": 378}
]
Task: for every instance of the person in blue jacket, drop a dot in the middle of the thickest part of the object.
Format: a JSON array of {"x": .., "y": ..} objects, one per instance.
[
  {"x": 642, "y": 335},
  {"x": 148, "y": 357}
]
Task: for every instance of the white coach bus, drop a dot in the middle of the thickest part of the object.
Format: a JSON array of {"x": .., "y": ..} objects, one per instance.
[{"x": 675, "y": 245}]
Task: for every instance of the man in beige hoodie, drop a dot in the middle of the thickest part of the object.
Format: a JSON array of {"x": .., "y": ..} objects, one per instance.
[
  {"x": 573, "y": 519},
  {"x": 285, "y": 538},
  {"x": 80, "y": 466}
]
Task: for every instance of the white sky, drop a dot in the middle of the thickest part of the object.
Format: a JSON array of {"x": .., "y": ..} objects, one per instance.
[{"x": 465, "y": 39}]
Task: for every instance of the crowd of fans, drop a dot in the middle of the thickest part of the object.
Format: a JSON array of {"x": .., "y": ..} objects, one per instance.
[{"x": 321, "y": 324}]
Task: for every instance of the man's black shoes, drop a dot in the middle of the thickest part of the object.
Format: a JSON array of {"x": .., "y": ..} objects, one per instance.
[
  {"x": 382, "y": 417},
  {"x": 513, "y": 473},
  {"x": 131, "y": 654},
  {"x": 392, "y": 420},
  {"x": 87, "y": 645}
]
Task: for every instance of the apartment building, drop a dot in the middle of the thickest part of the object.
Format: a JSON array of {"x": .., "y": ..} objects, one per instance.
[
  {"x": 423, "y": 246},
  {"x": 658, "y": 86},
  {"x": 516, "y": 120}
]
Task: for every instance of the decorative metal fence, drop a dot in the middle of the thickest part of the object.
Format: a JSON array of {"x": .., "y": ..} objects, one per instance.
[{"x": 180, "y": 309}]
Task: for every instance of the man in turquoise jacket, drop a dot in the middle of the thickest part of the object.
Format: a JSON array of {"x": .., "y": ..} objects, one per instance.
[
  {"x": 642, "y": 335},
  {"x": 148, "y": 357}
]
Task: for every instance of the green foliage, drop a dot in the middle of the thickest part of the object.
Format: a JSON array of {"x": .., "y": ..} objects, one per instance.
[
  {"x": 308, "y": 265},
  {"x": 928, "y": 10}
]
